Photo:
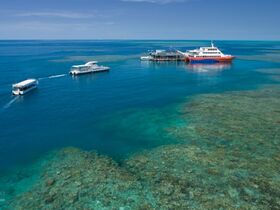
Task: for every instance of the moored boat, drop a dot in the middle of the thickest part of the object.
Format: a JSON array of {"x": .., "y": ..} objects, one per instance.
[
  {"x": 208, "y": 55},
  {"x": 24, "y": 87}
]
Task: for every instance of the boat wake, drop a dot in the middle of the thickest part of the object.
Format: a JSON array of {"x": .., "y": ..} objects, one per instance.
[
  {"x": 10, "y": 102},
  {"x": 52, "y": 76},
  {"x": 57, "y": 76}
]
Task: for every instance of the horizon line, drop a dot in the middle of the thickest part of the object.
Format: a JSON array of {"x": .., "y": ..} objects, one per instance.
[{"x": 130, "y": 39}]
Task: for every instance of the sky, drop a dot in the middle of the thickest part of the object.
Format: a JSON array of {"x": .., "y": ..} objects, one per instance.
[{"x": 140, "y": 19}]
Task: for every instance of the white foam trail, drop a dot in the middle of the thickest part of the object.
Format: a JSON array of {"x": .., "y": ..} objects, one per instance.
[
  {"x": 43, "y": 78},
  {"x": 52, "y": 76},
  {"x": 10, "y": 102},
  {"x": 56, "y": 76}
]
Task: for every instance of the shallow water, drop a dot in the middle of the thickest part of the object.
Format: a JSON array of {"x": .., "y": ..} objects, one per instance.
[{"x": 138, "y": 107}]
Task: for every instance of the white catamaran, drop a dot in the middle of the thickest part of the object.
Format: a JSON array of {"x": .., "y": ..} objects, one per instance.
[{"x": 89, "y": 67}]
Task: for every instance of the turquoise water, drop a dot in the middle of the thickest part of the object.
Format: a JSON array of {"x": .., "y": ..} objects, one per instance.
[
  {"x": 134, "y": 114},
  {"x": 68, "y": 111}
]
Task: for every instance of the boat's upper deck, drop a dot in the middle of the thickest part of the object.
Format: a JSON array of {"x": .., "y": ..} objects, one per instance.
[
  {"x": 206, "y": 52},
  {"x": 91, "y": 63},
  {"x": 25, "y": 83}
]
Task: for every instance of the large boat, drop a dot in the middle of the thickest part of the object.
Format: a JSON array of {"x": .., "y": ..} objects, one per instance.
[
  {"x": 164, "y": 55},
  {"x": 24, "y": 86},
  {"x": 208, "y": 55},
  {"x": 89, "y": 67}
]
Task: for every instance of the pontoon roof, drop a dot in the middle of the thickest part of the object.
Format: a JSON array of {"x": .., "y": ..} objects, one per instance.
[{"x": 25, "y": 83}]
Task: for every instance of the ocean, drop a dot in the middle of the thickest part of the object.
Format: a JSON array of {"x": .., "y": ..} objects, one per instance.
[{"x": 136, "y": 107}]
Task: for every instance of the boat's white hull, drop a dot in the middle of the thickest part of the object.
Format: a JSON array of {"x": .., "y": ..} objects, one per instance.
[
  {"x": 77, "y": 72},
  {"x": 22, "y": 92}
]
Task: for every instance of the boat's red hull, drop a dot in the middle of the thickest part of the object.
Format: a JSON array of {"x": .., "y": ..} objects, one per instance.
[{"x": 213, "y": 59}]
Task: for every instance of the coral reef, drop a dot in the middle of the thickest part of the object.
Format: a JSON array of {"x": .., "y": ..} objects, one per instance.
[
  {"x": 226, "y": 157},
  {"x": 235, "y": 137},
  {"x": 74, "y": 179}
]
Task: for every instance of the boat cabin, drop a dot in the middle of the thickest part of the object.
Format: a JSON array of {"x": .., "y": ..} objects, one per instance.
[
  {"x": 84, "y": 67},
  {"x": 24, "y": 86}
]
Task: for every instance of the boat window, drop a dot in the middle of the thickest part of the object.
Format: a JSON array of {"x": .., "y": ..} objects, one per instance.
[{"x": 27, "y": 87}]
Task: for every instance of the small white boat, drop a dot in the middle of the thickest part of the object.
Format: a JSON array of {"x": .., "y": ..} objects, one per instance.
[
  {"x": 24, "y": 86},
  {"x": 146, "y": 58},
  {"x": 89, "y": 67}
]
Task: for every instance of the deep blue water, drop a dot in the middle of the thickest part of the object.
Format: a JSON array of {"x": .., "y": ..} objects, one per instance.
[{"x": 68, "y": 111}]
